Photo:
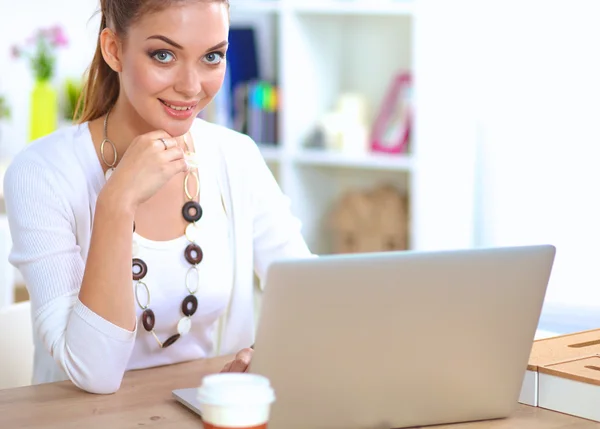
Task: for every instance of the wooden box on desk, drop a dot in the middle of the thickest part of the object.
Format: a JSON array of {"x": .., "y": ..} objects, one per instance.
[
  {"x": 571, "y": 387},
  {"x": 555, "y": 350}
]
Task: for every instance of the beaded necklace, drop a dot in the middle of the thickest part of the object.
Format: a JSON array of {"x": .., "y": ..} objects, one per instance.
[{"x": 191, "y": 212}]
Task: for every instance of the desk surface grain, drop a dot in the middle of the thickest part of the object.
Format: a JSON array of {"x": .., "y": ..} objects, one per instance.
[{"x": 145, "y": 401}]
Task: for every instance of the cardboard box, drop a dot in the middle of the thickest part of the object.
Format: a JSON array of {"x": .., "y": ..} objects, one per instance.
[
  {"x": 555, "y": 350},
  {"x": 571, "y": 387}
]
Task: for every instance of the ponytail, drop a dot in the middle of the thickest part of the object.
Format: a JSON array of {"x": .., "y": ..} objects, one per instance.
[{"x": 101, "y": 88}]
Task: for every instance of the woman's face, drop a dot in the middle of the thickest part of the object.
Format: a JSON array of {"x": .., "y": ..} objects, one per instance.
[{"x": 173, "y": 63}]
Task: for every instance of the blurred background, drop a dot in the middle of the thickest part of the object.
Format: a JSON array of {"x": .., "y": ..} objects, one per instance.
[{"x": 391, "y": 124}]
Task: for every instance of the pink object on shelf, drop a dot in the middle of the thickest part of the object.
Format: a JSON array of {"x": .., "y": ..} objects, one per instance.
[{"x": 391, "y": 131}]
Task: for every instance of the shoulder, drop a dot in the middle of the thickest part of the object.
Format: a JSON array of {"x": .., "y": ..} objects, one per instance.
[
  {"x": 45, "y": 159},
  {"x": 51, "y": 151}
]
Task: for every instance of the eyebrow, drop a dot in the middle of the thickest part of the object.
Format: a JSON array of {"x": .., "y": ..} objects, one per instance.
[
  {"x": 166, "y": 40},
  {"x": 178, "y": 46},
  {"x": 218, "y": 46}
]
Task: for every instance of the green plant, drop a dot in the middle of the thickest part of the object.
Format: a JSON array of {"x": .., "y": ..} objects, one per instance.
[
  {"x": 40, "y": 50},
  {"x": 73, "y": 89},
  {"x": 4, "y": 109}
]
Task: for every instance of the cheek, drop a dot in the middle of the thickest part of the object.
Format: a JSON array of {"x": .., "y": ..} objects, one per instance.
[
  {"x": 142, "y": 79},
  {"x": 212, "y": 83}
]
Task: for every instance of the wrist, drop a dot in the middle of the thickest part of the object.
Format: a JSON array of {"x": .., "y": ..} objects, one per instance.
[{"x": 115, "y": 202}]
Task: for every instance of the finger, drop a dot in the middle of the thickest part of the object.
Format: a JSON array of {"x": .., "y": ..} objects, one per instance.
[
  {"x": 159, "y": 140},
  {"x": 155, "y": 135},
  {"x": 242, "y": 360},
  {"x": 173, "y": 154},
  {"x": 227, "y": 367},
  {"x": 182, "y": 142},
  {"x": 152, "y": 139},
  {"x": 176, "y": 166},
  {"x": 165, "y": 143}
]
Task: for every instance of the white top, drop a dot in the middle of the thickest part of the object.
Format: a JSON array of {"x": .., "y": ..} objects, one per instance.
[
  {"x": 166, "y": 281},
  {"x": 51, "y": 189}
]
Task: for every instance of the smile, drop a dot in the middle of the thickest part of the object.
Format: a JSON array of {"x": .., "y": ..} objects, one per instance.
[{"x": 178, "y": 108}]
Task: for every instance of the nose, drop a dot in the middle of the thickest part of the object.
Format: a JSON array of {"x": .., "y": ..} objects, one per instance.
[{"x": 189, "y": 81}]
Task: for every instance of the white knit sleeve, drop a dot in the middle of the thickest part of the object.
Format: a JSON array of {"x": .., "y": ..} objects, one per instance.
[
  {"x": 92, "y": 351},
  {"x": 277, "y": 232}
]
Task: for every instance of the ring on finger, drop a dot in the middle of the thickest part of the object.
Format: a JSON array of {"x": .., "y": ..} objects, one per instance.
[{"x": 164, "y": 141}]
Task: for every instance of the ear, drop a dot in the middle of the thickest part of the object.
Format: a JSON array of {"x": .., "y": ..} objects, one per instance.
[{"x": 111, "y": 49}]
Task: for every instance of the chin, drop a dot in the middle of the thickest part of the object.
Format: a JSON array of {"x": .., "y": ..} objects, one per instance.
[
  {"x": 178, "y": 128},
  {"x": 173, "y": 127}
]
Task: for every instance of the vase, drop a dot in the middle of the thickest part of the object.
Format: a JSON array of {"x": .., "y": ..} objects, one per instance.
[{"x": 44, "y": 110}]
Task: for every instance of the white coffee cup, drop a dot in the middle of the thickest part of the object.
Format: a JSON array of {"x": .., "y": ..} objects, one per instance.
[{"x": 235, "y": 400}]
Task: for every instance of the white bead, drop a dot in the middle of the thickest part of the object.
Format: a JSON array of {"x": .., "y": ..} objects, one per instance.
[
  {"x": 184, "y": 326},
  {"x": 192, "y": 232},
  {"x": 109, "y": 173},
  {"x": 135, "y": 248}
]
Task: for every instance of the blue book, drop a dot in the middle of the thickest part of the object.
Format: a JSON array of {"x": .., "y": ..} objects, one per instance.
[{"x": 242, "y": 60}]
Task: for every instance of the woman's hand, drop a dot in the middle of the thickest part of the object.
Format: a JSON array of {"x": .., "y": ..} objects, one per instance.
[
  {"x": 146, "y": 166},
  {"x": 240, "y": 363}
]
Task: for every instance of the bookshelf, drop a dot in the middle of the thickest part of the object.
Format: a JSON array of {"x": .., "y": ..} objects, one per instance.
[
  {"x": 315, "y": 157},
  {"x": 315, "y": 51}
]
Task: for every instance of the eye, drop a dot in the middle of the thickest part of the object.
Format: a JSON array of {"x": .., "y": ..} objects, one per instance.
[
  {"x": 163, "y": 57},
  {"x": 214, "y": 58}
]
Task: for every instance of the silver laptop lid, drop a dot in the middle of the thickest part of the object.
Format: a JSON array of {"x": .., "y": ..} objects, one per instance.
[{"x": 400, "y": 339}]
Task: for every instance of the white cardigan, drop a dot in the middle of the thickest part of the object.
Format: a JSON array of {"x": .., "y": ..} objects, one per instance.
[{"x": 51, "y": 189}]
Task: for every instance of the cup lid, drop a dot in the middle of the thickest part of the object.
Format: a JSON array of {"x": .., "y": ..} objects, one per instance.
[{"x": 235, "y": 388}]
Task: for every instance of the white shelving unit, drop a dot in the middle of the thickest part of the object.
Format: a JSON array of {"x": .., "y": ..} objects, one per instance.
[
  {"x": 316, "y": 50},
  {"x": 358, "y": 7},
  {"x": 314, "y": 157}
]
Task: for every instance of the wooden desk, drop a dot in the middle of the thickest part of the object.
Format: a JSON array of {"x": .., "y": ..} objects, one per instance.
[{"x": 145, "y": 400}]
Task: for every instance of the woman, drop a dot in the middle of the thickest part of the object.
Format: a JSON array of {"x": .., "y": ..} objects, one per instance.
[{"x": 132, "y": 257}]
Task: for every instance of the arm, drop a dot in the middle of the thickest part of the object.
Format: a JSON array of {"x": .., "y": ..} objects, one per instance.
[
  {"x": 89, "y": 333},
  {"x": 277, "y": 232},
  {"x": 106, "y": 287},
  {"x": 84, "y": 312}
]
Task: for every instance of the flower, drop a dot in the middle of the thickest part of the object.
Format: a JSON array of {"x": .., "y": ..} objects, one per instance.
[
  {"x": 40, "y": 50},
  {"x": 60, "y": 38},
  {"x": 15, "y": 52}
]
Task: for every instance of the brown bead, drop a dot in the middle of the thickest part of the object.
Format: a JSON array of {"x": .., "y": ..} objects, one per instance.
[
  {"x": 189, "y": 305},
  {"x": 148, "y": 319},
  {"x": 191, "y": 211},
  {"x": 170, "y": 341},
  {"x": 193, "y": 254},
  {"x": 143, "y": 269}
]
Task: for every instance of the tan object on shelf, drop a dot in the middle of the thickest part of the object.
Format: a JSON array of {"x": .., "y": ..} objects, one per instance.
[
  {"x": 371, "y": 221},
  {"x": 552, "y": 351},
  {"x": 21, "y": 293}
]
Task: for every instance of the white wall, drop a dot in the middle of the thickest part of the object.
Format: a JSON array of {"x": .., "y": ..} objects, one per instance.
[
  {"x": 445, "y": 151},
  {"x": 542, "y": 143},
  {"x": 19, "y": 20},
  {"x": 521, "y": 95}
]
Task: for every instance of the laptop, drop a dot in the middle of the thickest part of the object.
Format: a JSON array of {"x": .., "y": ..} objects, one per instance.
[{"x": 398, "y": 339}]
